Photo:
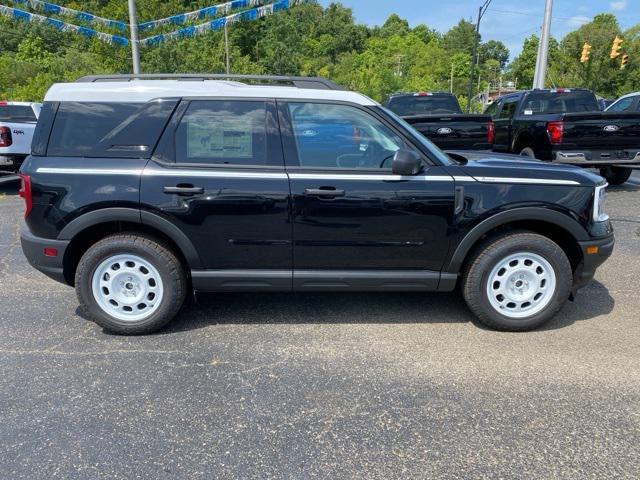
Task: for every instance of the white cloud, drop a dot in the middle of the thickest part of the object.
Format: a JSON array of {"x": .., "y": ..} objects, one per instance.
[
  {"x": 578, "y": 21},
  {"x": 618, "y": 5}
]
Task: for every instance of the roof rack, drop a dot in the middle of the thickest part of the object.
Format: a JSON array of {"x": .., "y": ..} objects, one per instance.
[{"x": 315, "y": 83}]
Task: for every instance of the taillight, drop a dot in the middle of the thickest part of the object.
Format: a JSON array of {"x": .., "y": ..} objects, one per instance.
[
  {"x": 5, "y": 137},
  {"x": 25, "y": 193},
  {"x": 556, "y": 132},
  {"x": 491, "y": 132}
]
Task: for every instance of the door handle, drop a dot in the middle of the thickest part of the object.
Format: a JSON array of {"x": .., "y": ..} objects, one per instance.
[
  {"x": 183, "y": 190},
  {"x": 327, "y": 192}
]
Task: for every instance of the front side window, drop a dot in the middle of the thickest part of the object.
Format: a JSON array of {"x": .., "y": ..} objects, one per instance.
[
  {"x": 509, "y": 109},
  {"x": 341, "y": 136},
  {"x": 492, "y": 109},
  {"x": 621, "y": 105},
  {"x": 223, "y": 132}
]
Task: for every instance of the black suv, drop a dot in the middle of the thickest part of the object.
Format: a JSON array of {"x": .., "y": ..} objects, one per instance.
[{"x": 142, "y": 189}]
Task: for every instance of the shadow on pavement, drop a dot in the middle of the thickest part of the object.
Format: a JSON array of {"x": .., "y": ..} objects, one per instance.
[{"x": 361, "y": 308}]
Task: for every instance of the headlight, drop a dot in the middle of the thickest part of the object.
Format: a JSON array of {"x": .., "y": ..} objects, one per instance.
[{"x": 599, "y": 214}]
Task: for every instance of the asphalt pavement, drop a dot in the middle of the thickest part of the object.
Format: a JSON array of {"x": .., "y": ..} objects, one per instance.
[{"x": 322, "y": 385}]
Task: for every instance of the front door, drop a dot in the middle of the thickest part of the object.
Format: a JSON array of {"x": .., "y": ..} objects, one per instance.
[
  {"x": 355, "y": 224},
  {"x": 218, "y": 175}
]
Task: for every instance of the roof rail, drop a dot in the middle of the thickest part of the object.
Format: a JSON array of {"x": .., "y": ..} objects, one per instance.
[{"x": 315, "y": 83}]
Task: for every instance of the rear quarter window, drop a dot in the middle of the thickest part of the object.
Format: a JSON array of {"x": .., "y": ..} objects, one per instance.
[{"x": 123, "y": 130}]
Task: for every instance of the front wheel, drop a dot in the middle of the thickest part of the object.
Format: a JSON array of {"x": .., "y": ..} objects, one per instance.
[
  {"x": 130, "y": 284},
  {"x": 616, "y": 175},
  {"x": 517, "y": 282}
]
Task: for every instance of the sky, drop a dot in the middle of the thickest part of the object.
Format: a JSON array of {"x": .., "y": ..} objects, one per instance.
[{"x": 509, "y": 21}]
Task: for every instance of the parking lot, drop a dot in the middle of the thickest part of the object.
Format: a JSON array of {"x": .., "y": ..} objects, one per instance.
[{"x": 322, "y": 385}]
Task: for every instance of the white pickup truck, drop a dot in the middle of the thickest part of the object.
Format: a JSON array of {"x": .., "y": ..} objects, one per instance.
[{"x": 17, "y": 124}]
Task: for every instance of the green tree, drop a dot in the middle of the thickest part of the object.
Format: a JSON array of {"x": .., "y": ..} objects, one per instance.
[{"x": 461, "y": 38}]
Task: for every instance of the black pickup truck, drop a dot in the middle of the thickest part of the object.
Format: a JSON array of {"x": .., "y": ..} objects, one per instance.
[
  {"x": 438, "y": 117},
  {"x": 567, "y": 126}
]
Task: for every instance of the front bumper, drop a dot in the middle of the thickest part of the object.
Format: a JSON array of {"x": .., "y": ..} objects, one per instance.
[
  {"x": 33, "y": 248},
  {"x": 591, "y": 261}
]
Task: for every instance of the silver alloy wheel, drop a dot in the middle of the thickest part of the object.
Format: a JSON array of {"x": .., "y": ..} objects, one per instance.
[
  {"x": 127, "y": 287},
  {"x": 521, "y": 285}
]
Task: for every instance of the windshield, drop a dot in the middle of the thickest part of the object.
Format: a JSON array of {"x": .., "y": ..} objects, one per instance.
[
  {"x": 419, "y": 138},
  {"x": 560, "y": 102},
  {"x": 424, "y": 105}
]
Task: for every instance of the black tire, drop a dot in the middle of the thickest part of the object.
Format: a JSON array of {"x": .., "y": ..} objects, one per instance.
[
  {"x": 616, "y": 175},
  {"x": 167, "y": 264},
  {"x": 489, "y": 254},
  {"x": 528, "y": 152}
]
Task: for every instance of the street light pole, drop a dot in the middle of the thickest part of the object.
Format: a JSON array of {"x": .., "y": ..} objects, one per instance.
[
  {"x": 474, "y": 59},
  {"x": 543, "y": 52},
  {"x": 227, "y": 60},
  {"x": 133, "y": 28}
]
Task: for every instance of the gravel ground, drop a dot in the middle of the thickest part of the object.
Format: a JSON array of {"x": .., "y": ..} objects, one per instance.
[{"x": 322, "y": 386}]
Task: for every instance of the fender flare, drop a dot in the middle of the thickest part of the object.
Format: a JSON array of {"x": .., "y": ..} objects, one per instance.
[
  {"x": 133, "y": 215},
  {"x": 558, "y": 219}
]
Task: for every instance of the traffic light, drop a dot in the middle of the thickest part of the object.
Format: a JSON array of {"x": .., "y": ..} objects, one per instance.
[
  {"x": 586, "y": 53},
  {"x": 617, "y": 46},
  {"x": 625, "y": 60}
]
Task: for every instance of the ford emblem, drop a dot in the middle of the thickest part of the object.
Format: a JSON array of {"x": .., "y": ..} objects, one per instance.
[
  {"x": 611, "y": 128},
  {"x": 445, "y": 131}
]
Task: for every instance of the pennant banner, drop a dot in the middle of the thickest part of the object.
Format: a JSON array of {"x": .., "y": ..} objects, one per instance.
[
  {"x": 207, "y": 12},
  {"x": 219, "y": 23},
  {"x": 62, "y": 26},
  {"x": 52, "y": 8}
]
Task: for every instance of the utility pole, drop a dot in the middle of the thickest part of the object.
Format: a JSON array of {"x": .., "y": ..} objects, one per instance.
[
  {"x": 451, "y": 86},
  {"x": 226, "y": 49},
  {"x": 133, "y": 27},
  {"x": 481, "y": 12},
  {"x": 543, "y": 52}
]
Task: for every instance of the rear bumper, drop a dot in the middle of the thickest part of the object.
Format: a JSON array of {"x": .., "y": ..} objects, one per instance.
[
  {"x": 597, "y": 157},
  {"x": 587, "y": 269},
  {"x": 33, "y": 249},
  {"x": 11, "y": 162}
]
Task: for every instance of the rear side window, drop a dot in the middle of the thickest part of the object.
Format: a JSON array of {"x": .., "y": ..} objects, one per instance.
[
  {"x": 223, "y": 132},
  {"x": 17, "y": 113},
  {"x": 122, "y": 130}
]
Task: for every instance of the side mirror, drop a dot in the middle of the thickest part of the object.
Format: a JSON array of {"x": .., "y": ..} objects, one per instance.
[{"x": 406, "y": 162}]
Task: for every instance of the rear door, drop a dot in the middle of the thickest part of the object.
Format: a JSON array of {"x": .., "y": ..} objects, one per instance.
[
  {"x": 355, "y": 224},
  {"x": 503, "y": 123},
  {"x": 218, "y": 175}
]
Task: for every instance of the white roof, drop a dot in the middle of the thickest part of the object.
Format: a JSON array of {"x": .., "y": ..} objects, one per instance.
[{"x": 139, "y": 91}]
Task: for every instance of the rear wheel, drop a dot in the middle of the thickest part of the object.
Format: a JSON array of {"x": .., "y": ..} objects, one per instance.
[
  {"x": 517, "y": 282},
  {"x": 616, "y": 175},
  {"x": 130, "y": 284}
]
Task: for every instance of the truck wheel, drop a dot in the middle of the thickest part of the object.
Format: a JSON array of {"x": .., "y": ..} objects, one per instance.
[
  {"x": 517, "y": 282},
  {"x": 528, "y": 152},
  {"x": 616, "y": 175},
  {"x": 130, "y": 284}
]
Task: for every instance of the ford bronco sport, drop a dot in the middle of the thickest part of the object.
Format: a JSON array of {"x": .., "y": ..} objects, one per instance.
[{"x": 142, "y": 189}]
